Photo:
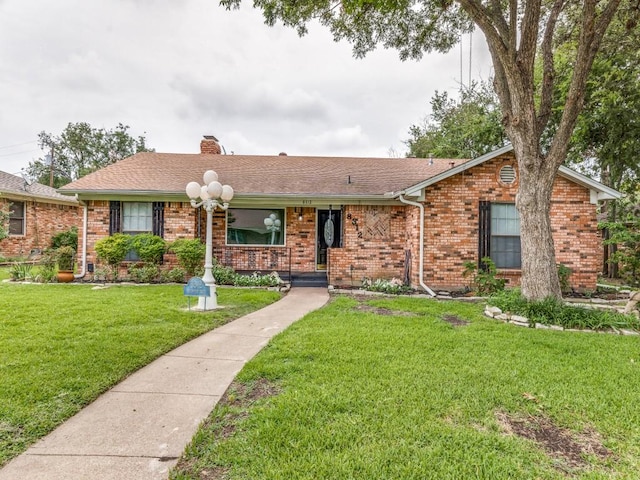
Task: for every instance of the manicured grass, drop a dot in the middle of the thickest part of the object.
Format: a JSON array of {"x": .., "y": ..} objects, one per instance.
[
  {"x": 355, "y": 394},
  {"x": 62, "y": 345}
]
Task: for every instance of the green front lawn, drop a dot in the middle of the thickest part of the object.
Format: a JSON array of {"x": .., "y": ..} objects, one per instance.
[
  {"x": 351, "y": 392},
  {"x": 63, "y": 345}
]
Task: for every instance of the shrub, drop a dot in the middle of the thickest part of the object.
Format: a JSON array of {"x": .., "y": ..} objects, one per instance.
[
  {"x": 552, "y": 311},
  {"x": 68, "y": 238},
  {"x": 257, "y": 280},
  {"x": 65, "y": 257},
  {"x": 190, "y": 254},
  {"x": 47, "y": 267},
  {"x": 113, "y": 250},
  {"x": 564, "y": 273},
  {"x": 393, "y": 286},
  {"x": 485, "y": 280},
  {"x": 20, "y": 272},
  {"x": 224, "y": 275},
  {"x": 145, "y": 273},
  {"x": 150, "y": 248},
  {"x": 175, "y": 275}
]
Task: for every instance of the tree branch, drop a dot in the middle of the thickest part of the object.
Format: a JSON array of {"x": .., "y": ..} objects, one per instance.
[
  {"x": 548, "y": 72},
  {"x": 593, "y": 28}
]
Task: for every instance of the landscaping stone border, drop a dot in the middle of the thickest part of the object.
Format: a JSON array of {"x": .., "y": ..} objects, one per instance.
[{"x": 498, "y": 314}]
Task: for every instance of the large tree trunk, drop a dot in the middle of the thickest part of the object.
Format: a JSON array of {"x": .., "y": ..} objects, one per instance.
[{"x": 539, "y": 270}]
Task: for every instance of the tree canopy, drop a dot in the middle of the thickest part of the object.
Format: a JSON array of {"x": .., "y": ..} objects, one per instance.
[
  {"x": 81, "y": 149},
  {"x": 460, "y": 128},
  {"x": 517, "y": 32}
]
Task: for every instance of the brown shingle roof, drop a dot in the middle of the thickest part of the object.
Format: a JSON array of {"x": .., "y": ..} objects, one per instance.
[
  {"x": 261, "y": 175},
  {"x": 15, "y": 185}
]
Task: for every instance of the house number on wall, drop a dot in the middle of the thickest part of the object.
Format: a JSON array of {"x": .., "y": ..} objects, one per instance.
[{"x": 354, "y": 222}]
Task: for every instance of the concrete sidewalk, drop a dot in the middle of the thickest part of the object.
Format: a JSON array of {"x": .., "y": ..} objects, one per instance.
[{"x": 138, "y": 429}]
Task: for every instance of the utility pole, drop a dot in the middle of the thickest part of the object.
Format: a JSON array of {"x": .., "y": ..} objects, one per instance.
[{"x": 51, "y": 169}]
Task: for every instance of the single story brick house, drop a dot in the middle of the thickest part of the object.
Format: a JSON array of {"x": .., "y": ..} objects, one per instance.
[
  {"x": 350, "y": 218},
  {"x": 37, "y": 213}
]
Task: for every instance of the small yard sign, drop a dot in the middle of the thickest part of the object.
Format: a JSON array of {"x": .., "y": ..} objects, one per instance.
[{"x": 196, "y": 287}]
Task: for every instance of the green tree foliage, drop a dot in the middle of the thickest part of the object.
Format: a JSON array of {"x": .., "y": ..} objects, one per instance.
[
  {"x": 4, "y": 221},
  {"x": 517, "y": 32},
  {"x": 607, "y": 133},
  {"x": 464, "y": 128},
  {"x": 81, "y": 149}
]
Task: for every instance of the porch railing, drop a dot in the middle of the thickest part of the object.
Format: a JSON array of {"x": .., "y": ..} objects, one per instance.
[{"x": 254, "y": 259}]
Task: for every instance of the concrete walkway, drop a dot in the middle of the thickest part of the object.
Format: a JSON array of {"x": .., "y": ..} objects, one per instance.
[{"x": 138, "y": 429}]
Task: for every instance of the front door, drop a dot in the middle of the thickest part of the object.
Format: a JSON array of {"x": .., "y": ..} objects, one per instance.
[{"x": 328, "y": 234}]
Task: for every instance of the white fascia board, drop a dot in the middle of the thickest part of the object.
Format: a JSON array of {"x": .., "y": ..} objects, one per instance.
[
  {"x": 284, "y": 200},
  {"x": 39, "y": 198},
  {"x": 602, "y": 191}
]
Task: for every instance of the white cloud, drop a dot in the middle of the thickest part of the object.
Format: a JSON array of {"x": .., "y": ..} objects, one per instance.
[{"x": 178, "y": 70}]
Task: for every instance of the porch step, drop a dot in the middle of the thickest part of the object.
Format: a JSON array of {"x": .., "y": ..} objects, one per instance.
[{"x": 313, "y": 279}]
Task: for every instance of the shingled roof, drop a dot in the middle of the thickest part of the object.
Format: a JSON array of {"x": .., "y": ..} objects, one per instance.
[
  {"x": 15, "y": 186},
  {"x": 258, "y": 175}
]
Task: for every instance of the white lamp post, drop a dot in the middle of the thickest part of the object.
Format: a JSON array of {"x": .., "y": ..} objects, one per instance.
[
  {"x": 272, "y": 222},
  {"x": 212, "y": 195}
]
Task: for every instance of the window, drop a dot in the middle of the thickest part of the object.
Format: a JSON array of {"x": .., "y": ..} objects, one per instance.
[
  {"x": 505, "y": 235},
  {"x": 137, "y": 217},
  {"x": 255, "y": 226},
  {"x": 133, "y": 218},
  {"x": 16, "y": 218}
]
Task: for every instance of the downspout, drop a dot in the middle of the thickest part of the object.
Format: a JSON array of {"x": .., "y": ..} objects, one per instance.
[
  {"x": 85, "y": 221},
  {"x": 421, "y": 271}
]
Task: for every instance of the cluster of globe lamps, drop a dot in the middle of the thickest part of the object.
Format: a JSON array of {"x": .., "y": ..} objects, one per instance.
[{"x": 210, "y": 196}]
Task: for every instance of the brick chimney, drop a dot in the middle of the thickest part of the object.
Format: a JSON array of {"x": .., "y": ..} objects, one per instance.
[{"x": 209, "y": 144}]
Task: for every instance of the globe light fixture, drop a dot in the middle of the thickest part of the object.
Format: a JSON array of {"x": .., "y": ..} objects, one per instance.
[
  {"x": 272, "y": 222},
  {"x": 210, "y": 196}
]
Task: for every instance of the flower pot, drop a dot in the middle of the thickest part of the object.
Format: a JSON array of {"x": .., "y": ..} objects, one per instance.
[{"x": 65, "y": 276}]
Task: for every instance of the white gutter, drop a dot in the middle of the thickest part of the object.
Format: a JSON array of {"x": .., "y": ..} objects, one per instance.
[
  {"x": 421, "y": 272},
  {"x": 85, "y": 221}
]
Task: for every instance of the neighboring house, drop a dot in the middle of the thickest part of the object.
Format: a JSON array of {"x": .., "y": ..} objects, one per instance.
[
  {"x": 37, "y": 213},
  {"x": 414, "y": 219}
]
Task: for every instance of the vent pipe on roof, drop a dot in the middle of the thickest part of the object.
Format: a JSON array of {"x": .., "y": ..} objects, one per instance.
[{"x": 282, "y": 154}]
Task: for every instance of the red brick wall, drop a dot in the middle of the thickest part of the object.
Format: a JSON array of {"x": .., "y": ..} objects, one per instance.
[
  {"x": 451, "y": 238},
  {"x": 42, "y": 222},
  {"x": 377, "y": 255},
  {"x": 451, "y": 233}
]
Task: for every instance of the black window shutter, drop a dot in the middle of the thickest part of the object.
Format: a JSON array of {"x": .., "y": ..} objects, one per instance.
[
  {"x": 484, "y": 233},
  {"x": 114, "y": 217},
  {"x": 158, "y": 219}
]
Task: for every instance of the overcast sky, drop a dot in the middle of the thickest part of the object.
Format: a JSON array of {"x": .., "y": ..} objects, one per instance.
[{"x": 176, "y": 70}]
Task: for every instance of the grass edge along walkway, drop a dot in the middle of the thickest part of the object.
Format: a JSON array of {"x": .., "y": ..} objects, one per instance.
[
  {"x": 406, "y": 388},
  {"x": 64, "y": 345}
]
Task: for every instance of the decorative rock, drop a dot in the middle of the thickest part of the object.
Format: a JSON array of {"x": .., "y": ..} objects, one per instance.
[
  {"x": 492, "y": 311},
  {"x": 542, "y": 326},
  {"x": 519, "y": 324},
  {"x": 518, "y": 318},
  {"x": 503, "y": 316},
  {"x": 556, "y": 327},
  {"x": 624, "y": 331}
]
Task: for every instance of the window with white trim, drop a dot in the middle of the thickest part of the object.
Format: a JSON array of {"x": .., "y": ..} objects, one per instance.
[
  {"x": 255, "y": 226},
  {"x": 16, "y": 218}
]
